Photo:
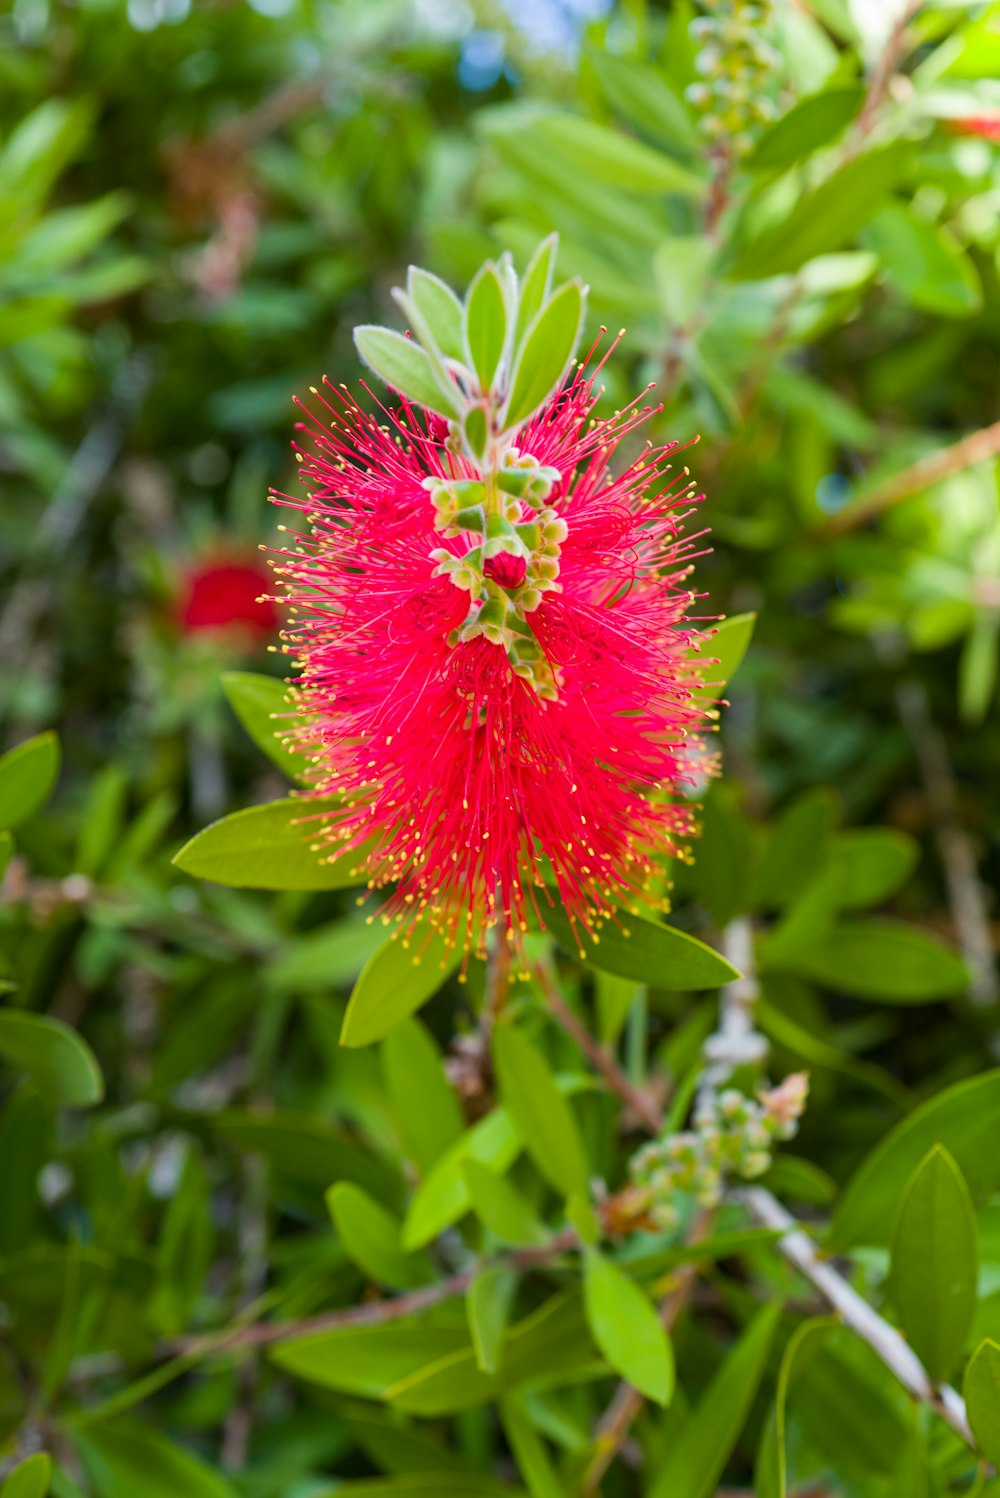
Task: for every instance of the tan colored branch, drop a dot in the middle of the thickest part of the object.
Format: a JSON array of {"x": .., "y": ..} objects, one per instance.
[
  {"x": 642, "y": 1105},
  {"x": 977, "y": 447}
]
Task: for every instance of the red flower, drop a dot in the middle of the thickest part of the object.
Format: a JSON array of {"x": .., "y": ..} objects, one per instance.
[
  {"x": 985, "y": 126},
  {"x": 495, "y": 675},
  {"x": 227, "y": 594}
]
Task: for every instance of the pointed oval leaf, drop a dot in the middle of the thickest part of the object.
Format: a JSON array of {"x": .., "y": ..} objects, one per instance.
[
  {"x": 405, "y": 367},
  {"x": 608, "y": 155},
  {"x": 726, "y": 648},
  {"x": 425, "y": 1109},
  {"x": 501, "y": 1206},
  {"x": 964, "y": 1118},
  {"x": 808, "y": 125},
  {"x": 59, "y": 1062},
  {"x": 644, "y": 950},
  {"x": 27, "y": 777},
  {"x": 440, "y": 309},
  {"x": 886, "y": 960},
  {"x": 271, "y": 847},
  {"x": 262, "y": 705},
  {"x": 443, "y": 1196},
  {"x": 536, "y": 284},
  {"x": 696, "y": 1459},
  {"x": 486, "y": 325},
  {"x": 935, "y": 1261},
  {"x": 626, "y": 1328},
  {"x": 541, "y": 1114},
  {"x": 396, "y": 980},
  {"x": 29, "y": 1479},
  {"x": 982, "y": 1399},
  {"x": 872, "y": 863},
  {"x": 487, "y": 1304},
  {"x": 545, "y": 353},
  {"x": 370, "y": 1236}
]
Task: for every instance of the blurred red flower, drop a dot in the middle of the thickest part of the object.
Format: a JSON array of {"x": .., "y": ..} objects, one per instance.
[{"x": 227, "y": 594}]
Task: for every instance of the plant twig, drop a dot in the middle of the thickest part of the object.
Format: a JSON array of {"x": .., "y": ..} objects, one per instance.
[
  {"x": 371, "y": 1313},
  {"x": 885, "y": 67},
  {"x": 975, "y": 448},
  {"x": 965, "y": 890},
  {"x": 900, "y": 1359},
  {"x": 641, "y": 1104},
  {"x": 800, "y": 1251}
]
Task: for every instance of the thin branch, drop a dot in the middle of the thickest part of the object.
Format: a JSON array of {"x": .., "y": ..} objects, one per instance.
[
  {"x": 965, "y": 890},
  {"x": 900, "y": 1359},
  {"x": 975, "y": 448},
  {"x": 371, "y": 1313},
  {"x": 885, "y": 67},
  {"x": 800, "y": 1251},
  {"x": 641, "y": 1104}
]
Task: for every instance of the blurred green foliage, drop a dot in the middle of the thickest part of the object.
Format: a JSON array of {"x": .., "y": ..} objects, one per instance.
[{"x": 197, "y": 204}]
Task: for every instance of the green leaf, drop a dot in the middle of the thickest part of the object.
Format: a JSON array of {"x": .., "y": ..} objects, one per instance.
[
  {"x": 529, "y": 1450},
  {"x": 644, "y": 950},
  {"x": 501, "y": 1206},
  {"x": 809, "y": 124},
  {"x": 643, "y": 95},
  {"x": 404, "y": 367},
  {"x": 885, "y": 960},
  {"x": 771, "y": 1475},
  {"x": 935, "y": 1262},
  {"x": 127, "y": 1460},
  {"x": 370, "y": 1236},
  {"x": 443, "y": 1196},
  {"x": 964, "y": 1118},
  {"x": 403, "y": 974},
  {"x": 27, "y": 778},
  {"x": 681, "y": 268},
  {"x": 541, "y": 1114},
  {"x": 369, "y": 1360},
  {"x": 38, "y": 149},
  {"x": 604, "y": 154},
  {"x": 982, "y": 1399},
  {"x": 421, "y": 1485},
  {"x": 59, "y": 1062},
  {"x": 486, "y": 325},
  {"x": 263, "y": 707},
  {"x": 272, "y": 847},
  {"x": 925, "y": 262},
  {"x": 536, "y": 284},
  {"x": 440, "y": 309},
  {"x": 826, "y": 219},
  {"x": 798, "y": 841},
  {"x": 698, "y": 1453},
  {"x": 487, "y": 1304},
  {"x": 425, "y": 1108},
  {"x": 626, "y": 1328},
  {"x": 29, "y": 1479},
  {"x": 872, "y": 863},
  {"x": 778, "y": 1026},
  {"x": 551, "y": 1344},
  {"x": 544, "y": 355},
  {"x": 308, "y": 1152}
]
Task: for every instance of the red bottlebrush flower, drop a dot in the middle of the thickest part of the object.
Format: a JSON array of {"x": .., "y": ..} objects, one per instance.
[
  {"x": 227, "y": 594},
  {"x": 499, "y": 701},
  {"x": 985, "y": 126}
]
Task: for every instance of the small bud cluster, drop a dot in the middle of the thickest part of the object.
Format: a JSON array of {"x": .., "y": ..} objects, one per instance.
[
  {"x": 732, "y": 1137},
  {"x": 735, "y": 63},
  {"x": 514, "y": 561}
]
